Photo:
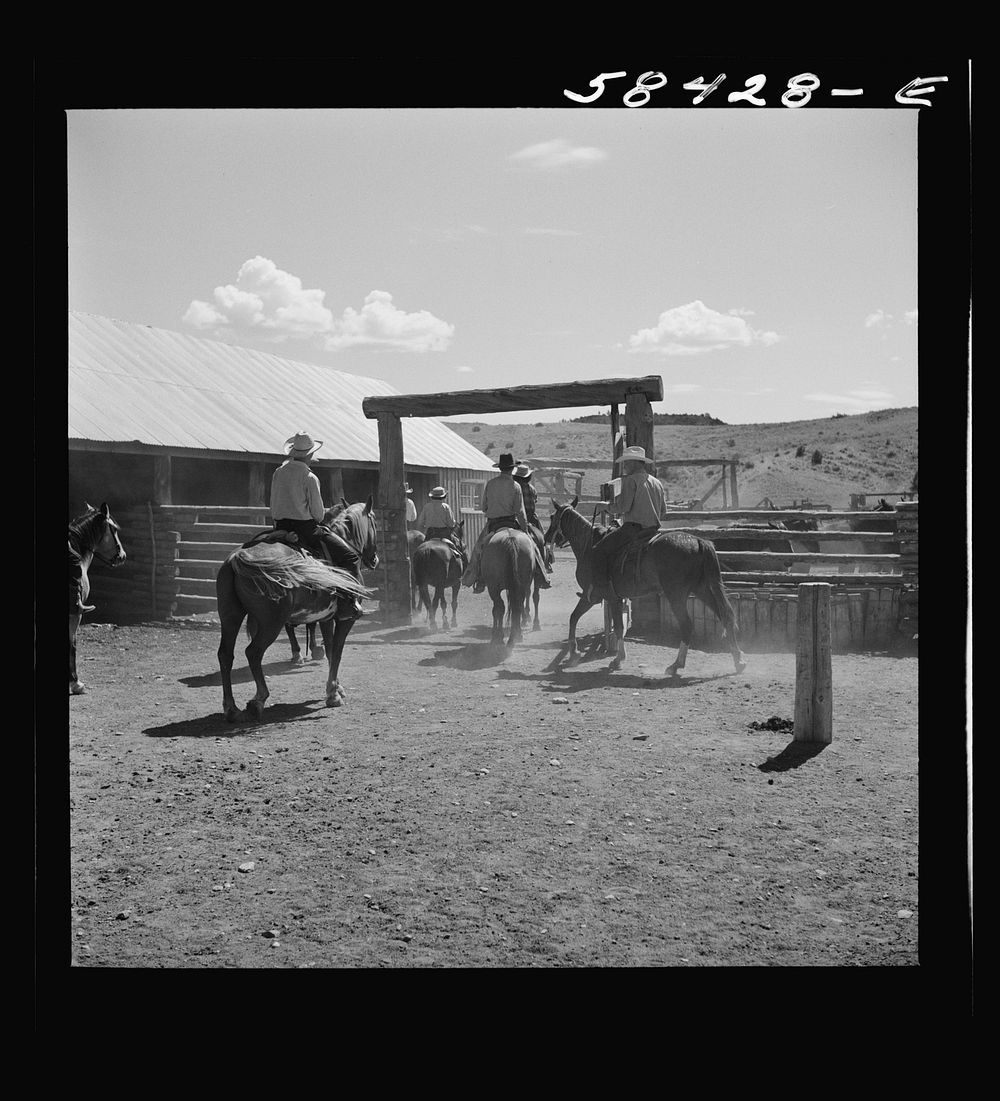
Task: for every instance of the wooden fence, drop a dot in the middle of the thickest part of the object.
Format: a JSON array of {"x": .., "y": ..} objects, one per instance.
[{"x": 874, "y": 602}]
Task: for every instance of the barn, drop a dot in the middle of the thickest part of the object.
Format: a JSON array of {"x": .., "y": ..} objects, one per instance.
[{"x": 180, "y": 435}]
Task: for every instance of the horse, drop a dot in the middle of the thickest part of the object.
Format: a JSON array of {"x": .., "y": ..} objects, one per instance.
[
  {"x": 438, "y": 564},
  {"x": 508, "y": 564},
  {"x": 271, "y": 584},
  {"x": 332, "y": 522},
  {"x": 673, "y": 563},
  {"x": 414, "y": 537},
  {"x": 548, "y": 556},
  {"x": 94, "y": 534}
]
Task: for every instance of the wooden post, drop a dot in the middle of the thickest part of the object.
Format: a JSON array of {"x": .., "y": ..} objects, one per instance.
[
  {"x": 392, "y": 505},
  {"x": 257, "y": 481},
  {"x": 162, "y": 480},
  {"x": 813, "y": 666},
  {"x": 639, "y": 423},
  {"x": 734, "y": 496}
]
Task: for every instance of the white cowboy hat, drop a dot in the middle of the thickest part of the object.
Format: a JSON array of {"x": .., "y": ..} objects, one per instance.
[
  {"x": 635, "y": 454},
  {"x": 523, "y": 471},
  {"x": 302, "y": 443},
  {"x": 406, "y": 487},
  {"x": 438, "y": 493}
]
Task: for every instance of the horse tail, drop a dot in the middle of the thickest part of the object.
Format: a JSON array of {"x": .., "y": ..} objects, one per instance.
[
  {"x": 713, "y": 592},
  {"x": 272, "y": 571}
]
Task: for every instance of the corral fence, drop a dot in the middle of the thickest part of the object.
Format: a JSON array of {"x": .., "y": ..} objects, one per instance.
[{"x": 874, "y": 576}]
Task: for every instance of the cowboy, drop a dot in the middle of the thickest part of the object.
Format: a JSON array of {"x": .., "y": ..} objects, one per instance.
[
  {"x": 436, "y": 520},
  {"x": 297, "y": 506},
  {"x": 522, "y": 475},
  {"x": 411, "y": 508},
  {"x": 641, "y": 502},
  {"x": 503, "y": 505}
]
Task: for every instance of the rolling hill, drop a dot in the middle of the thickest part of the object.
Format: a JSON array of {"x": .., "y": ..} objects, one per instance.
[{"x": 822, "y": 461}]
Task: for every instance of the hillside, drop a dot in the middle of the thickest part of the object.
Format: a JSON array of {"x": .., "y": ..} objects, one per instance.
[{"x": 859, "y": 453}]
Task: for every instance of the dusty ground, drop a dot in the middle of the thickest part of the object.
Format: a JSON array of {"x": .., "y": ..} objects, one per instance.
[{"x": 469, "y": 809}]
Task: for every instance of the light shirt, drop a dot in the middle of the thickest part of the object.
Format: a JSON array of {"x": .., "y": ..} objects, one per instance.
[
  {"x": 642, "y": 500},
  {"x": 435, "y": 514},
  {"x": 295, "y": 493},
  {"x": 411, "y": 510},
  {"x": 502, "y": 497}
]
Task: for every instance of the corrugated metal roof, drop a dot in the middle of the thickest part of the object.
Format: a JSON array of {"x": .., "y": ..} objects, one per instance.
[{"x": 132, "y": 382}]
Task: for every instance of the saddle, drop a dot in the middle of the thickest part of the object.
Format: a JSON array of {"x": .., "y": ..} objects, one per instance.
[{"x": 629, "y": 558}]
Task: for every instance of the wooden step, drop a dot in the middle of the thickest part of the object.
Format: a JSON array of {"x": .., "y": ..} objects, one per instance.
[{"x": 217, "y": 552}]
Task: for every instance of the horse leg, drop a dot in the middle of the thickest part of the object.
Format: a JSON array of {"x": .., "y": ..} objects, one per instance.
[
  {"x": 335, "y": 634},
  {"x": 715, "y": 597},
  {"x": 227, "y": 645},
  {"x": 498, "y": 614},
  {"x": 517, "y": 601},
  {"x": 536, "y": 625},
  {"x": 678, "y": 605},
  {"x": 454, "y": 602},
  {"x": 316, "y": 651},
  {"x": 261, "y": 636},
  {"x": 441, "y": 602},
  {"x": 76, "y": 686},
  {"x": 427, "y": 603},
  {"x": 296, "y": 658},
  {"x": 617, "y": 619},
  {"x": 572, "y": 653}
]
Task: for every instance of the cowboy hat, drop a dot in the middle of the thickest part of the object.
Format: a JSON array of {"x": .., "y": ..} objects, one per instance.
[
  {"x": 438, "y": 493},
  {"x": 635, "y": 454},
  {"x": 523, "y": 471},
  {"x": 506, "y": 462},
  {"x": 302, "y": 444}
]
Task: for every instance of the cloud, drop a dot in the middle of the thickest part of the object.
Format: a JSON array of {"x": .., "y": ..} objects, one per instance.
[
  {"x": 862, "y": 400},
  {"x": 557, "y": 154},
  {"x": 910, "y": 317},
  {"x": 877, "y": 319},
  {"x": 379, "y": 322},
  {"x": 465, "y": 370},
  {"x": 540, "y": 231},
  {"x": 694, "y": 329},
  {"x": 271, "y": 302}
]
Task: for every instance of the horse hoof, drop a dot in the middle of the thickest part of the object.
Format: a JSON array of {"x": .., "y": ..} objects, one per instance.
[
  {"x": 231, "y": 714},
  {"x": 255, "y": 709},
  {"x": 297, "y": 660},
  {"x": 77, "y": 689},
  {"x": 740, "y": 666}
]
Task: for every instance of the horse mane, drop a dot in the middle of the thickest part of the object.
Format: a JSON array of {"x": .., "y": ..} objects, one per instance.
[{"x": 84, "y": 529}]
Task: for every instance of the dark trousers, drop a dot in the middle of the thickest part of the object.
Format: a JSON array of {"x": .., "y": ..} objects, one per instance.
[
  {"x": 312, "y": 537},
  {"x": 607, "y": 547}
]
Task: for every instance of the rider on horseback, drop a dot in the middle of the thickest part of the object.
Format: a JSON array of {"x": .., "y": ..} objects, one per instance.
[
  {"x": 641, "y": 503},
  {"x": 297, "y": 506},
  {"x": 503, "y": 504},
  {"x": 437, "y": 521}
]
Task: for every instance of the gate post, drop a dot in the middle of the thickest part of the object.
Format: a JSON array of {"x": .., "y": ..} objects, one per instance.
[
  {"x": 392, "y": 506},
  {"x": 813, "y": 666}
]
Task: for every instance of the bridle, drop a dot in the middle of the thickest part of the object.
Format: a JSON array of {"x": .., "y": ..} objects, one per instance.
[{"x": 119, "y": 555}]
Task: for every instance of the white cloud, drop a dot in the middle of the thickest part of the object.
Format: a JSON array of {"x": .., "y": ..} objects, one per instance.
[
  {"x": 862, "y": 400},
  {"x": 879, "y": 317},
  {"x": 694, "y": 329},
  {"x": 682, "y": 388},
  {"x": 272, "y": 302},
  {"x": 465, "y": 370},
  {"x": 540, "y": 231},
  {"x": 910, "y": 317},
  {"x": 379, "y": 322},
  {"x": 557, "y": 154}
]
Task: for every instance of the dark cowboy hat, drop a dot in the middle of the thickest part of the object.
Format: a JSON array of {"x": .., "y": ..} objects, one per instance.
[{"x": 506, "y": 462}]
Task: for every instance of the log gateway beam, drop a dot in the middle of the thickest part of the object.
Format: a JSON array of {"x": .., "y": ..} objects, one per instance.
[{"x": 636, "y": 394}]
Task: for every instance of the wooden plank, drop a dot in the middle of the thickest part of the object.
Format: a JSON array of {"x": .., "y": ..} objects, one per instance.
[
  {"x": 507, "y": 399},
  {"x": 813, "y": 666}
]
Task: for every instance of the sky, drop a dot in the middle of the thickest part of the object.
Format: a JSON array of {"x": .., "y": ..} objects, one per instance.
[{"x": 762, "y": 263}]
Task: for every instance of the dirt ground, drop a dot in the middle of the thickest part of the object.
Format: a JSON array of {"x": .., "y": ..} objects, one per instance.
[{"x": 469, "y": 808}]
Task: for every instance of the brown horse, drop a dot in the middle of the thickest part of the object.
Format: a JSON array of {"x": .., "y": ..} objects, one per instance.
[
  {"x": 271, "y": 584},
  {"x": 91, "y": 535},
  {"x": 508, "y": 564},
  {"x": 414, "y": 537},
  {"x": 438, "y": 564},
  {"x": 673, "y": 563}
]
